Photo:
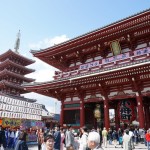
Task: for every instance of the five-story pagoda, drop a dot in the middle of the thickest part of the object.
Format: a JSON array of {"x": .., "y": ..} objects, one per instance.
[{"x": 12, "y": 77}]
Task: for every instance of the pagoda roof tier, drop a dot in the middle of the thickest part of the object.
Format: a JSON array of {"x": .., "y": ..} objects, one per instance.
[
  {"x": 12, "y": 85},
  {"x": 10, "y": 63},
  {"x": 59, "y": 55},
  {"x": 13, "y": 54},
  {"x": 9, "y": 73},
  {"x": 18, "y": 97},
  {"x": 111, "y": 79}
]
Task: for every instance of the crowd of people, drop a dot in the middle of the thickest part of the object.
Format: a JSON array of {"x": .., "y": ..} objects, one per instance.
[
  {"x": 13, "y": 139},
  {"x": 85, "y": 139},
  {"x": 71, "y": 139}
]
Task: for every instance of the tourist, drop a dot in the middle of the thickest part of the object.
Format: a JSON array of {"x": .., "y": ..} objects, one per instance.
[
  {"x": 110, "y": 136},
  {"x": 11, "y": 143},
  {"x": 132, "y": 138},
  {"x": 69, "y": 139},
  {"x": 147, "y": 136},
  {"x": 99, "y": 130},
  {"x": 43, "y": 146},
  {"x": 76, "y": 141},
  {"x": 115, "y": 137},
  {"x": 94, "y": 141},
  {"x": 83, "y": 139},
  {"x": 104, "y": 135},
  {"x": 17, "y": 136},
  {"x": 136, "y": 136},
  {"x": 2, "y": 138},
  {"x": 62, "y": 138},
  {"x": 49, "y": 142},
  {"x": 57, "y": 139},
  {"x": 21, "y": 143},
  {"x": 120, "y": 134},
  {"x": 40, "y": 138},
  {"x": 127, "y": 141}
]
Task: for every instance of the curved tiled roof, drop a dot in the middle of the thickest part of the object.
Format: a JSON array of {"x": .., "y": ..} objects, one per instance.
[
  {"x": 9, "y": 62},
  {"x": 6, "y": 72},
  {"x": 88, "y": 33},
  {"x": 10, "y": 53}
]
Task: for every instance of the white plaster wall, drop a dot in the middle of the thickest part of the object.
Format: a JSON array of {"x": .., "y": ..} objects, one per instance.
[
  {"x": 113, "y": 93},
  {"x": 68, "y": 99},
  {"x": 76, "y": 98},
  {"x": 125, "y": 50},
  {"x": 141, "y": 45},
  {"x": 87, "y": 96},
  {"x": 89, "y": 60},
  {"x": 146, "y": 89},
  {"x": 98, "y": 95},
  {"x": 98, "y": 58}
]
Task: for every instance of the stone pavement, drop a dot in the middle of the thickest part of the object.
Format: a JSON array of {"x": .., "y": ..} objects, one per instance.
[{"x": 109, "y": 147}]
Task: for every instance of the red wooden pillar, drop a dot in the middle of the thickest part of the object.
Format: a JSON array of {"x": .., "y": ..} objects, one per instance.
[
  {"x": 147, "y": 118},
  {"x": 106, "y": 113},
  {"x": 82, "y": 116},
  {"x": 140, "y": 110},
  {"x": 62, "y": 114}
]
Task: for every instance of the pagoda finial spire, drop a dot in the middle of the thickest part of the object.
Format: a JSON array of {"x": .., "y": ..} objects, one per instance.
[{"x": 17, "y": 44}]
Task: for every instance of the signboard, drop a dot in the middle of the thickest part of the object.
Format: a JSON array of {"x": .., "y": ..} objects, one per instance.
[
  {"x": 142, "y": 51},
  {"x": 6, "y": 122},
  {"x": 89, "y": 65},
  {"x": 114, "y": 58},
  {"x": 126, "y": 111}
]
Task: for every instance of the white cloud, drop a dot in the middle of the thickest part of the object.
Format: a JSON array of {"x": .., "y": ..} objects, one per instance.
[
  {"x": 44, "y": 72},
  {"x": 47, "y": 42}
]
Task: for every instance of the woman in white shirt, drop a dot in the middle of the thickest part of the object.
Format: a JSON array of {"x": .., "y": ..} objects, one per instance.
[{"x": 83, "y": 139}]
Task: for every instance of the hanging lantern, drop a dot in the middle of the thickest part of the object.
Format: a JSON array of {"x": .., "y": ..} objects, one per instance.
[
  {"x": 126, "y": 111},
  {"x": 97, "y": 112}
]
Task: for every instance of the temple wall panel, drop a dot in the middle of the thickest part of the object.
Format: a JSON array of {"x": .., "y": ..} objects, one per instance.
[
  {"x": 129, "y": 91},
  {"x": 89, "y": 60},
  {"x": 125, "y": 50},
  {"x": 72, "y": 64},
  {"x": 98, "y": 95},
  {"x": 87, "y": 97},
  {"x": 146, "y": 89},
  {"x": 97, "y": 58},
  {"x": 110, "y": 54},
  {"x": 113, "y": 94},
  {"x": 67, "y": 99},
  {"x": 141, "y": 45},
  {"x": 75, "y": 98},
  {"x": 78, "y": 63}
]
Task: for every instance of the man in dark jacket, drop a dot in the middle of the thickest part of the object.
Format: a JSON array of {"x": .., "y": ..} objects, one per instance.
[{"x": 57, "y": 138}]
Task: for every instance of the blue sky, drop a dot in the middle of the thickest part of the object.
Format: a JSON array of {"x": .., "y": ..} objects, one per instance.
[{"x": 45, "y": 22}]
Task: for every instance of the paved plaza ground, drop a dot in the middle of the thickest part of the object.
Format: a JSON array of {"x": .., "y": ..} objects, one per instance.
[{"x": 110, "y": 147}]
